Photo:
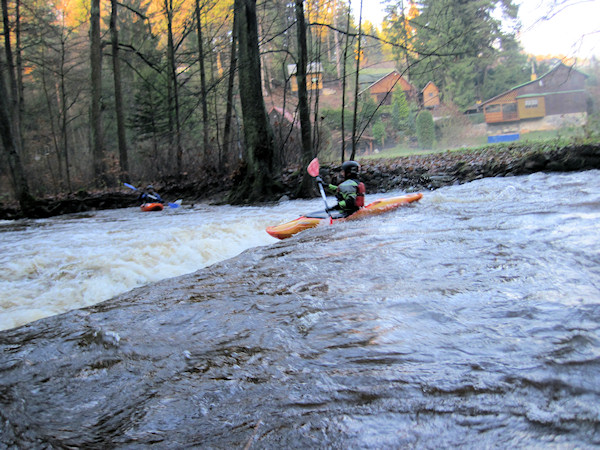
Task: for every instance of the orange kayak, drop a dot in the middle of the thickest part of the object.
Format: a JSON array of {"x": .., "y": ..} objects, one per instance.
[
  {"x": 152, "y": 207},
  {"x": 288, "y": 229}
]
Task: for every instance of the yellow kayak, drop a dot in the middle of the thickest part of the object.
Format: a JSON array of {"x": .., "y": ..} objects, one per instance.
[{"x": 312, "y": 220}]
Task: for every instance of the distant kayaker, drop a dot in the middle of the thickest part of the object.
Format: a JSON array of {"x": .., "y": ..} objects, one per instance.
[
  {"x": 351, "y": 193},
  {"x": 149, "y": 195}
]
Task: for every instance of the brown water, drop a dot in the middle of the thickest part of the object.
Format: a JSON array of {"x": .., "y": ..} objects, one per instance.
[{"x": 468, "y": 320}]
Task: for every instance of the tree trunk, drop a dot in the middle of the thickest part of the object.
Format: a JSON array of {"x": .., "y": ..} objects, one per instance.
[
  {"x": 203, "y": 100},
  {"x": 114, "y": 37},
  {"x": 49, "y": 94},
  {"x": 65, "y": 119},
  {"x": 307, "y": 186},
  {"x": 19, "y": 66},
  {"x": 11, "y": 148},
  {"x": 174, "y": 84},
  {"x": 100, "y": 177},
  {"x": 344, "y": 85},
  {"x": 355, "y": 118},
  {"x": 13, "y": 95},
  {"x": 260, "y": 180},
  {"x": 230, "y": 85}
]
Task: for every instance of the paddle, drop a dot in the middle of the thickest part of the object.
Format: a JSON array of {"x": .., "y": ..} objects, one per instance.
[
  {"x": 313, "y": 171},
  {"x": 171, "y": 205}
]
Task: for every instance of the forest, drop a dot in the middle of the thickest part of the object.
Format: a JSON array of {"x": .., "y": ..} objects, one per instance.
[{"x": 97, "y": 93}]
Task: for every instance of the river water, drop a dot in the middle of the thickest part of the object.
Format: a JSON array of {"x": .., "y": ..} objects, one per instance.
[
  {"x": 469, "y": 319},
  {"x": 58, "y": 264}
]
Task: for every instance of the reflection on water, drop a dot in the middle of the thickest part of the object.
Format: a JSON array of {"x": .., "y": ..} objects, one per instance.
[{"x": 467, "y": 320}]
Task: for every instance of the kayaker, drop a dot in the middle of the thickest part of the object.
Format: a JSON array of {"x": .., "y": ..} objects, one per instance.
[
  {"x": 350, "y": 193},
  {"x": 149, "y": 195}
]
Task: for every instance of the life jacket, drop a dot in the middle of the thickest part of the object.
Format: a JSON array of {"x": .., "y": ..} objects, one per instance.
[
  {"x": 352, "y": 191},
  {"x": 360, "y": 196}
]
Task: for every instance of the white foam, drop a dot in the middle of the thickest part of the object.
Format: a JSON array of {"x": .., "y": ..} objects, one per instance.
[{"x": 54, "y": 265}]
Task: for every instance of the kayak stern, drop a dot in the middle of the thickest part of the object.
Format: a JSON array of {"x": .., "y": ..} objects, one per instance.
[{"x": 288, "y": 229}]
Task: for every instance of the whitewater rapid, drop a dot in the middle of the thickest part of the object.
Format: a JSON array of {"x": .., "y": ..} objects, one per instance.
[{"x": 54, "y": 265}]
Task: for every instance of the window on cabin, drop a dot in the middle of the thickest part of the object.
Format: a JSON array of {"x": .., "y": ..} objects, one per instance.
[
  {"x": 531, "y": 103},
  {"x": 493, "y": 108}
]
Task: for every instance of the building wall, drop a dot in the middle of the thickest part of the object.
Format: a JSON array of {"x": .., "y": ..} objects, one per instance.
[
  {"x": 502, "y": 109},
  {"x": 566, "y": 103},
  {"x": 390, "y": 82},
  {"x": 531, "y": 107},
  {"x": 563, "y": 90},
  {"x": 313, "y": 81},
  {"x": 380, "y": 89},
  {"x": 557, "y": 93},
  {"x": 545, "y": 123},
  {"x": 431, "y": 96},
  {"x": 562, "y": 79}
]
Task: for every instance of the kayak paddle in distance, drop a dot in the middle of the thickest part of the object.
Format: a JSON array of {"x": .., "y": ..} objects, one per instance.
[
  {"x": 177, "y": 204},
  {"x": 313, "y": 171}
]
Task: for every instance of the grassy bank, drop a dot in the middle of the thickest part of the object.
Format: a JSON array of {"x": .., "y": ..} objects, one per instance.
[{"x": 535, "y": 139}]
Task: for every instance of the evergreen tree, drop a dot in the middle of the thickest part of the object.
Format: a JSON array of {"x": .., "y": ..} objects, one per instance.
[
  {"x": 425, "y": 129},
  {"x": 379, "y": 133},
  {"x": 400, "y": 109},
  {"x": 456, "y": 43}
]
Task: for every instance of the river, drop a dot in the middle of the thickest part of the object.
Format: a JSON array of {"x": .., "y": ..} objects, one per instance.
[
  {"x": 469, "y": 319},
  {"x": 76, "y": 260}
]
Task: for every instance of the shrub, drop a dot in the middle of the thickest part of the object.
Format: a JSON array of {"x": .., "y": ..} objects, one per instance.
[
  {"x": 379, "y": 133},
  {"x": 425, "y": 130}
]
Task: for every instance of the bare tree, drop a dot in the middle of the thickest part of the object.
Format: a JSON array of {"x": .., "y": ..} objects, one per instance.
[
  {"x": 11, "y": 147},
  {"x": 356, "y": 85},
  {"x": 203, "y": 99},
  {"x": 14, "y": 93},
  {"x": 173, "y": 87},
  {"x": 307, "y": 185},
  {"x": 345, "y": 58},
  {"x": 96, "y": 108},
  {"x": 114, "y": 34},
  {"x": 230, "y": 85},
  {"x": 260, "y": 176}
]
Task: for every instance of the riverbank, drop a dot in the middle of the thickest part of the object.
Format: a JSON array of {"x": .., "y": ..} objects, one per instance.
[{"x": 411, "y": 173}]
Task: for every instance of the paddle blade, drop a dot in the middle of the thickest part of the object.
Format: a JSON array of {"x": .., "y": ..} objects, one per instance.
[
  {"x": 313, "y": 167},
  {"x": 130, "y": 186}
]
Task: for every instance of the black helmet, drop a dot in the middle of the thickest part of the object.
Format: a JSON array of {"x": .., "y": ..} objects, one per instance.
[
  {"x": 150, "y": 187},
  {"x": 350, "y": 168}
]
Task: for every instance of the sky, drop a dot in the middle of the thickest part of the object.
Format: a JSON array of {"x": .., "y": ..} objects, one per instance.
[{"x": 572, "y": 31}]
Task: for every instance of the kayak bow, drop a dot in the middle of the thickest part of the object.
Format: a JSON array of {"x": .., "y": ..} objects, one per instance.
[{"x": 152, "y": 207}]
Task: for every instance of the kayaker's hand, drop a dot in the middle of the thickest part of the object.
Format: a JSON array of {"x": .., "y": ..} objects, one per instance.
[{"x": 319, "y": 179}]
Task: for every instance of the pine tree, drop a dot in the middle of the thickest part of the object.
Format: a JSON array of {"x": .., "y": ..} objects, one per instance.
[
  {"x": 425, "y": 130},
  {"x": 400, "y": 109}
]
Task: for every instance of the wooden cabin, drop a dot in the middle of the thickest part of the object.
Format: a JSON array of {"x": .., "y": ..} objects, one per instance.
[
  {"x": 381, "y": 90},
  {"x": 560, "y": 91},
  {"x": 314, "y": 76},
  {"x": 430, "y": 96}
]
